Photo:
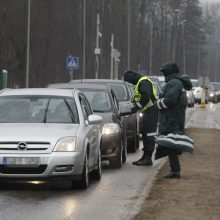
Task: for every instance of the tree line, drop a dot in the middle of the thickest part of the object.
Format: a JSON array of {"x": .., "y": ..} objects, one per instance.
[{"x": 146, "y": 33}]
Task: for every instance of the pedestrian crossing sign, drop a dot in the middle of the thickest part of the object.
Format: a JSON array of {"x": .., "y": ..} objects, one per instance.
[{"x": 72, "y": 62}]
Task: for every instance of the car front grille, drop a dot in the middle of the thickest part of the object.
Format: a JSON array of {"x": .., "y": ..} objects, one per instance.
[
  {"x": 22, "y": 170},
  {"x": 31, "y": 146}
]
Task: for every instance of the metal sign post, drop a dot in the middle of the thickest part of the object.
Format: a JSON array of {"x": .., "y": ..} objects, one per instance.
[
  {"x": 97, "y": 49},
  {"x": 115, "y": 55},
  {"x": 72, "y": 63}
]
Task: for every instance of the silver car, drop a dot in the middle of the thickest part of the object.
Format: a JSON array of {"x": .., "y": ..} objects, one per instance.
[
  {"x": 48, "y": 133},
  {"x": 190, "y": 98}
]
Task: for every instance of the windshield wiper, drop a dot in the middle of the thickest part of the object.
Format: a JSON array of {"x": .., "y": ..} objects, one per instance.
[
  {"x": 45, "y": 116},
  {"x": 70, "y": 111}
]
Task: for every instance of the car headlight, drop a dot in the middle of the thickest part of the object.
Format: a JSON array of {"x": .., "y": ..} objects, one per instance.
[
  {"x": 66, "y": 144},
  {"x": 110, "y": 128}
]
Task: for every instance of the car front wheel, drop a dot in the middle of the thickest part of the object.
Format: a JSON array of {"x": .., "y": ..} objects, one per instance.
[
  {"x": 98, "y": 171},
  {"x": 117, "y": 161},
  {"x": 84, "y": 182}
]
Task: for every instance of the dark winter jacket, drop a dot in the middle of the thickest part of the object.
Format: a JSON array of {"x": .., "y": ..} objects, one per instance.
[
  {"x": 145, "y": 87},
  {"x": 172, "y": 103}
]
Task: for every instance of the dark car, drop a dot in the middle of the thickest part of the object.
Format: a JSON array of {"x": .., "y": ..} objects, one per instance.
[
  {"x": 124, "y": 96},
  {"x": 216, "y": 86},
  {"x": 104, "y": 102},
  {"x": 212, "y": 94}
]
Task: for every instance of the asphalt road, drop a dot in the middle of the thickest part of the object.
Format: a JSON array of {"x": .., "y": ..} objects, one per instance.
[{"x": 117, "y": 196}]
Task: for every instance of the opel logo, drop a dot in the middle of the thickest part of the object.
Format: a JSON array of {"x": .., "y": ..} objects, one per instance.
[{"x": 22, "y": 146}]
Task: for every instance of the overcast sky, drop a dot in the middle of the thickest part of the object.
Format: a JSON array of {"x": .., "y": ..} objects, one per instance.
[{"x": 210, "y": 1}]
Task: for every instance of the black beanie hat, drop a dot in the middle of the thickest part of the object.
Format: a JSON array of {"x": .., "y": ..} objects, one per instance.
[{"x": 128, "y": 75}]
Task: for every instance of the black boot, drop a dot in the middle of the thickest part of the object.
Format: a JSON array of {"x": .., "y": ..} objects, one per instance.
[
  {"x": 144, "y": 161},
  {"x": 172, "y": 175},
  {"x": 142, "y": 158}
]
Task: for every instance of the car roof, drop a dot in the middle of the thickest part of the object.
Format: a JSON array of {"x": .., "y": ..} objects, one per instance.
[
  {"x": 79, "y": 85},
  {"x": 215, "y": 83},
  {"x": 98, "y": 80},
  {"x": 38, "y": 91}
]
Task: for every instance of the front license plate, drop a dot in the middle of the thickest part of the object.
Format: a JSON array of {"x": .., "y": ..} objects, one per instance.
[{"x": 20, "y": 161}]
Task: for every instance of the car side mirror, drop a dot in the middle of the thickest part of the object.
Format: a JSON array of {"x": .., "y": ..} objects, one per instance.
[
  {"x": 126, "y": 111},
  {"x": 95, "y": 119}
]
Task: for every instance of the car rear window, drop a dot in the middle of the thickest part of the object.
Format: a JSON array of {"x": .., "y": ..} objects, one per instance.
[
  {"x": 98, "y": 99},
  {"x": 120, "y": 91}
]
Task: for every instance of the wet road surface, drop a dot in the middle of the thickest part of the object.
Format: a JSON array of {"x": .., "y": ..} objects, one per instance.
[{"x": 108, "y": 199}]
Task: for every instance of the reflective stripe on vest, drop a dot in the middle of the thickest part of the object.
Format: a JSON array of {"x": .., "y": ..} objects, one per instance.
[{"x": 137, "y": 95}]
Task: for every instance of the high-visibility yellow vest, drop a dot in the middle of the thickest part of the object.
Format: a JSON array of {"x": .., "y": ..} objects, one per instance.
[{"x": 137, "y": 95}]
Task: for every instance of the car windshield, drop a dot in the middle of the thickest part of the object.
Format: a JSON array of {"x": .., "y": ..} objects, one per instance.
[
  {"x": 194, "y": 83},
  {"x": 98, "y": 99},
  {"x": 38, "y": 109},
  {"x": 120, "y": 91},
  {"x": 216, "y": 86}
]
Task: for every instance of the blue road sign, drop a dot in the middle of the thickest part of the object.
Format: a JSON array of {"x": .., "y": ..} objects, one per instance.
[{"x": 72, "y": 63}]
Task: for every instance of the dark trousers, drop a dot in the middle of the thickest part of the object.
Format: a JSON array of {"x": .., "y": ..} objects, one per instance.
[
  {"x": 150, "y": 121},
  {"x": 174, "y": 161}
]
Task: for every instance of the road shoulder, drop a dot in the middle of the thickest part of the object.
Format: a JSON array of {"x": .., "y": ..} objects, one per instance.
[{"x": 197, "y": 194}]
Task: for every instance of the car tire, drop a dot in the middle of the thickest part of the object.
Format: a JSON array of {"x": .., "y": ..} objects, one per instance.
[
  {"x": 97, "y": 173},
  {"x": 132, "y": 147},
  {"x": 124, "y": 152},
  {"x": 117, "y": 161},
  {"x": 84, "y": 182}
]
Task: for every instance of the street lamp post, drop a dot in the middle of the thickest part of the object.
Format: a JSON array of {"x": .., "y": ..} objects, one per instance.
[
  {"x": 97, "y": 49},
  {"x": 183, "y": 22},
  {"x": 129, "y": 31},
  {"x": 209, "y": 54},
  {"x": 198, "y": 67},
  {"x": 174, "y": 32},
  {"x": 216, "y": 64},
  {"x": 216, "y": 59},
  {"x": 84, "y": 40},
  {"x": 112, "y": 48},
  {"x": 28, "y": 45},
  {"x": 199, "y": 53},
  {"x": 151, "y": 44}
]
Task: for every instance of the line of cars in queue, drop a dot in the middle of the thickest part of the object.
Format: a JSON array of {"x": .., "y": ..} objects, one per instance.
[
  {"x": 66, "y": 130},
  {"x": 212, "y": 92}
]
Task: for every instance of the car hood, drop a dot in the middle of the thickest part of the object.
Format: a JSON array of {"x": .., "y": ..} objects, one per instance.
[{"x": 36, "y": 132}]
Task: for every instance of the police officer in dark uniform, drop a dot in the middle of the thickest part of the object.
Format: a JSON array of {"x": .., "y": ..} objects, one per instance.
[
  {"x": 172, "y": 107},
  {"x": 145, "y": 102}
]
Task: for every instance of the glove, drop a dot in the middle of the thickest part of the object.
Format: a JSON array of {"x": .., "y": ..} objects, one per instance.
[
  {"x": 134, "y": 109},
  {"x": 133, "y": 101}
]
